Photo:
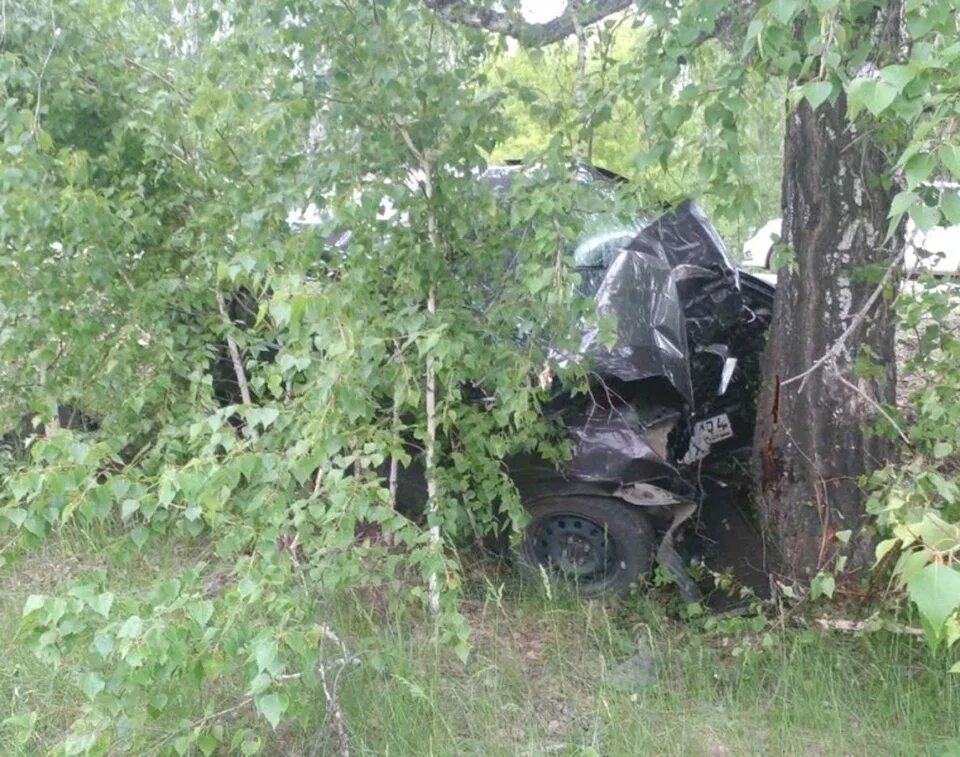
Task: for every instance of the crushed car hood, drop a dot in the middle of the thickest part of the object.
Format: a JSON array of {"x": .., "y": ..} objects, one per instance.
[
  {"x": 671, "y": 288},
  {"x": 640, "y": 292}
]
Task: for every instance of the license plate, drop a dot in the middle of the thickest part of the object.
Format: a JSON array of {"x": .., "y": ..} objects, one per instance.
[{"x": 705, "y": 434}]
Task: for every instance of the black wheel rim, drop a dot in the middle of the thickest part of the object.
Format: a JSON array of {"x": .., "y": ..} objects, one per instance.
[{"x": 574, "y": 546}]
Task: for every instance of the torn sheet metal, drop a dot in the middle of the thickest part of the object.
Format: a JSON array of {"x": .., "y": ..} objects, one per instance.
[
  {"x": 706, "y": 280},
  {"x": 670, "y": 559},
  {"x": 647, "y": 495},
  {"x": 615, "y": 445},
  {"x": 640, "y": 293},
  {"x": 674, "y": 294}
]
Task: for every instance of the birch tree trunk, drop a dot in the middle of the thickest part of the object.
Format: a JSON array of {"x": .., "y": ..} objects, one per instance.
[{"x": 430, "y": 399}]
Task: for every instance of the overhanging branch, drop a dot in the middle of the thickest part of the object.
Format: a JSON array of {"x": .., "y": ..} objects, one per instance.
[{"x": 528, "y": 34}]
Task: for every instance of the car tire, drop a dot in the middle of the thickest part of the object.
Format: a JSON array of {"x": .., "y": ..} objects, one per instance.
[{"x": 598, "y": 544}]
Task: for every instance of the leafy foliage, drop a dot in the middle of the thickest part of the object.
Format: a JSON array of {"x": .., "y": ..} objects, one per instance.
[
  {"x": 917, "y": 503},
  {"x": 674, "y": 120},
  {"x": 157, "y": 160},
  {"x": 905, "y": 94},
  {"x": 153, "y": 161}
]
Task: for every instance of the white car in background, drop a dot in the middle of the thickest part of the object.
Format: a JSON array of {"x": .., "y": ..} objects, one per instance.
[{"x": 937, "y": 250}]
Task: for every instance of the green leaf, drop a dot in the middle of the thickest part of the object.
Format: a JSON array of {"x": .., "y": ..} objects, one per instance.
[
  {"x": 823, "y": 584},
  {"x": 918, "y": 169},
  {"x": 674, "y": 117},
  {"x": 934, "y": 532},
  {"x": 902, "y": 203},
  {"x": 34, "y": 602},
  {"x": 925, "y": 216},
  {"x": 897, "y": 76},
  {"x": 652, "y": 156},
  {"x": 103, "y": 644},
  {"x": 102, "y": 603},
  {"x": 784, "y": 10},
  {"x": 942, "y": 450},
  {"x": 208, "y": 743},
  {"x": 266, "y": 655},
  {"x": 92, "y": 684},
  {"x": 872, "y": 94},
  {"x": 884, "y": 547},
  {"x": 79, "y": 743},
  {"x": 950, "y": 206},
  {"x": 817, "y": 92},
  {"x": 880, "y": 98},
  {"x": 166, "y": 492},
  {"x": 201, "y": 613},
  {"x": 45, "y": 141},
  {"x": 955, "y": 668},
  {"x": 911, "y": 563},
  {"x": 936, "y": 591},
  {"x": 128, "y": 508},
  {"x": 754, "y": 31},
  {"x": 262, "y": 416},
  {"x": 270, "y": 706},
  {"x": 131, "y": 628},
  {"x": 950, "y": 157},
  {"x": 949, "y": 490},
  {"x": 280, "y": 310},
  {"x": 21, "y": 725}
]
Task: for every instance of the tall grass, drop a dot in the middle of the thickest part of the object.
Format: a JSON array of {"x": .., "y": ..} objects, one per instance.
[{"x": 541, "y": 680}]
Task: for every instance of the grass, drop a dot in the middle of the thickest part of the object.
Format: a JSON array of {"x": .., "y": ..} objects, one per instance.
[{"x": 541, "y": 680}]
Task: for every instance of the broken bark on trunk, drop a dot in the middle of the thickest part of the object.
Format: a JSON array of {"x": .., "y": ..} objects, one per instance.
[{"x": 813, "y": 440}]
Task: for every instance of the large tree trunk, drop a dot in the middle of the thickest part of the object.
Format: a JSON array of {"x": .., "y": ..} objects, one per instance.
[{"x": 813, "y": 440}]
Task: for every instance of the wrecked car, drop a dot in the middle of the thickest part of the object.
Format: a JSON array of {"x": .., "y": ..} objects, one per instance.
[{"x": 662, "y": 440}]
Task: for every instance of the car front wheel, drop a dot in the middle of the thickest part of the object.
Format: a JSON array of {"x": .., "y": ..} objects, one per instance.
[{"x": 599, "y": 544}]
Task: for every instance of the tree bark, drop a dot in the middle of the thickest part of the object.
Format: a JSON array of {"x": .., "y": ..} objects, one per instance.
[{"x": 813, "y": 440}]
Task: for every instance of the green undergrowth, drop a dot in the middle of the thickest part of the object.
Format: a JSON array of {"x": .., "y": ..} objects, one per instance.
[{"x": 542, "y": 677}]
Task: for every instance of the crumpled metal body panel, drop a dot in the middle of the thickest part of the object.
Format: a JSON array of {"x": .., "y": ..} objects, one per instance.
[
  {"x": 707, "y": 282},
  {"x": 677, "y": 302},
  {"x": 618, "y": 445},
  {"x": 673, "y": 291},
  {"x": 640, "y": 292}
]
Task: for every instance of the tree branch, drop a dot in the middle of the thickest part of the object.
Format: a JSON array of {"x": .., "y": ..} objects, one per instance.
[
  {"x": 580, "y": 82},
  {"x": 235, "y": 357},
  {"x": 588, "y": 12},
  {"x": 876, "y": 405},
  {"x": 338, "y": 725},
  {"x": 43, "y": 68}
]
